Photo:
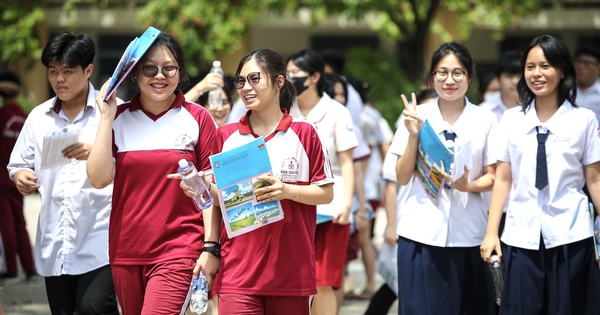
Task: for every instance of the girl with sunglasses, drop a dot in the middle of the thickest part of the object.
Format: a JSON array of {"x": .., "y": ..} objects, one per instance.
[
  {"x": 156, "y": 233},
  {"x": 305, "y": 70},
  {"x": 439, "y": 269},
  {"x": 549, "y": 265},
  {"x": 271, "y": 270}
]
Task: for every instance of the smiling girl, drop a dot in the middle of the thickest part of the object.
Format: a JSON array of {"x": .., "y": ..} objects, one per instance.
[
  {"x": 549, "y": 259},
  {"x": 439, "y": 271},
  {"x": 156, "y": 233}
]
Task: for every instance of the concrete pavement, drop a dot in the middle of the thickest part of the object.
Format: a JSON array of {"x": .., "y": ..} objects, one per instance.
[{"x": 29, "y": 298}]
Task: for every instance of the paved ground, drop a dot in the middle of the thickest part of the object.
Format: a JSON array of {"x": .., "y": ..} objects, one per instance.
[{"x": 29, "y": 298}]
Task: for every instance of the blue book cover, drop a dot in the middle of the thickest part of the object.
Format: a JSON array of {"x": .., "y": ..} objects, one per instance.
[
  {"x": 133, "y": 53},
  {"x": 432, "y": 152},
  {"x": 236, "y": 173}
]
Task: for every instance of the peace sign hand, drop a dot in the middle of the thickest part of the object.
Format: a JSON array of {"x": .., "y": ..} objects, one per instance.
[{"x": 411, "y": 119}]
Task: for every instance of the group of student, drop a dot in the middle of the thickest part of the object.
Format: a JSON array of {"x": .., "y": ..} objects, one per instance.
[
  {"x": 115, "y": 222},
  {"x": 547, "y": 248}
]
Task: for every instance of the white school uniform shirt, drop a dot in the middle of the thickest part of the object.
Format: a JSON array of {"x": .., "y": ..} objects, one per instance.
[
  {"x": 590, "y": 99},
  {"x": 336, "y": 131},
  {"x": 460, "y": 218},
  {"x": 495, "y": 105},
  {"x": 559, "y": 212},
  {"x": 72, "y": 231}
]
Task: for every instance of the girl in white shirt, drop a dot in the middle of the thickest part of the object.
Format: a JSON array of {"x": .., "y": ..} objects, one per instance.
[
  {"x": 438, "y": 249},
  {"x": 549, "y": 259}
]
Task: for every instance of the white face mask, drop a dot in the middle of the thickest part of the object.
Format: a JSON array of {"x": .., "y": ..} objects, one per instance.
[{"x": 490, "y": 95}]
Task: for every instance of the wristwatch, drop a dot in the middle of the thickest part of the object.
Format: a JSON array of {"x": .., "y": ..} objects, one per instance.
[{"x": 214, "y": 250}]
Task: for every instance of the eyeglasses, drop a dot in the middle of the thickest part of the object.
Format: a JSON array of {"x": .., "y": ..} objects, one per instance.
[
  {"x": 442, "y": 75},
  {"x": 240, "y": 81},
  {"x": 584, "y": 63},
  {"x": 167, "y": 71},
  {"x": 293, "y": 73}
]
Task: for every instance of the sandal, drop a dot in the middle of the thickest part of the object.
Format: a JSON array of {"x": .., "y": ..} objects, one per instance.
[{"x": 366, "y": 294}]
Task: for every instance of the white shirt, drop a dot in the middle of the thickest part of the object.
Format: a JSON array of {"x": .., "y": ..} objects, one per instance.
[
  {"x": 381, "y": 133},
  {"x": 495, "y": 105},
  {"x": 460, "y": 218},
  {"x": 558, "y": 212},
  {"x": 238, "y": 110},
  {"x": 72, "y": 231},
  {"x": 336, "y": 130},
  {"x": 590, "y": 98}
]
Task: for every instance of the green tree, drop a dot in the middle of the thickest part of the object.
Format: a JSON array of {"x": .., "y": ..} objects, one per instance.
[
  {"x": 209, "y": 28},
  {"x": 18, "y": 20},
  {"x": 411, "y": 21}
]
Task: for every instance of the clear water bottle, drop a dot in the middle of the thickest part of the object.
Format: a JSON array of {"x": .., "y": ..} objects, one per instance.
[
  {"x": 496, "y": 268},
  {"x": 199, "y": 299},
  {"x": 215, "y": 97},
  {"x": 190, "y": 177}
]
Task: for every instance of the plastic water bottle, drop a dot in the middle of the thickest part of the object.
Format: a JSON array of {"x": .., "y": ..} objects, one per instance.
[
  {"x": 496, "y": 268},
  {"x": 215, "y": 97},
  {"x": 190, "y": 177},
  {"x": 199, "y": 299}
]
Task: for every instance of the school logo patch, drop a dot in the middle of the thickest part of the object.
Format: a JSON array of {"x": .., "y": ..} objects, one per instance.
[{"x": 289, "y": 170}]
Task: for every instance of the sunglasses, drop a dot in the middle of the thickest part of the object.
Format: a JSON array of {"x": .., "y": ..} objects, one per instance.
[
  {"x": 240, "y": 81},
  {"x": 167, "y": 71}
]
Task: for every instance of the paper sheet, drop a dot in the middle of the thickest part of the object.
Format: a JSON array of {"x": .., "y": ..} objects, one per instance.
[{"x": 55, "y": 142}]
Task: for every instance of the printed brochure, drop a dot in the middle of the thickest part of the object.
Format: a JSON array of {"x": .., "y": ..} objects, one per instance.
[
  {"x": 134, "y": 52},
  {"x": 236, "y": 173},
  {"x": 432, "y": 152}
]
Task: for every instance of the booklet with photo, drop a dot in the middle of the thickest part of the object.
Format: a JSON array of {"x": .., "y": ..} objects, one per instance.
[
  {"x": 236, "y": 173},
  {"x": 133, "y": 53},
  {"x": 432, "y": 152}
]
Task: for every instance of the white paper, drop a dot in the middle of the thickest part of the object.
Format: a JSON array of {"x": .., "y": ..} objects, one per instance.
[{"x": 55, "y": 142}]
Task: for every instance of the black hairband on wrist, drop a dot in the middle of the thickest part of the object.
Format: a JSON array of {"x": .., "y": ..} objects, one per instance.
[{"x": 211, "y": 242}]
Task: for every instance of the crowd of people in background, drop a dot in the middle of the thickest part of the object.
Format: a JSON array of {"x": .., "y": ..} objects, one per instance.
[{"x": 525, "y": 176}]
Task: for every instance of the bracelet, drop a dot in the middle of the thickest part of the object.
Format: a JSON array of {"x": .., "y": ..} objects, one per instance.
[
  {"x": 297, "y": 192},
  {"x": 211, "y": 242},
  {"x": 362, "y": 215}
]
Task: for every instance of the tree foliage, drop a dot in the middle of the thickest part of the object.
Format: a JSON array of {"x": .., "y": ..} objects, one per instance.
[
  {"x": 18, "y": 20},
  {"x": 411, "y": 21},
  {"x": 206, "y": 28}
]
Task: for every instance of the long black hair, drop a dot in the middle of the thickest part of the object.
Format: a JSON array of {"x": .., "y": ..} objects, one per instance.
[
  {"x": 273, "y": 66},
  {"x": 558, "y": 56}
]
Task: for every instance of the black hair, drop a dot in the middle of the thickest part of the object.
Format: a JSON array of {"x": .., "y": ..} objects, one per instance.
[
  {"x": 361, "y": 87},
  {"x": 272, "y": 65},
  {"x": 335, "y": 59},
  {"x": 311, "y": 62},
  {"x": 170, "y": 43},
  {"x": 484, "y": 81},
  {"x": 330, "y": 80},
  {"x": 509, "y": 62},
  {"x": 11, "y": 77},
  {"x": 460, "y": 51},
  {"x": 593, "y": 51},
  {"x": 558, "y": 56},
  {"x": 426, "y": 94},
  {"x": 74, "y": 50}
]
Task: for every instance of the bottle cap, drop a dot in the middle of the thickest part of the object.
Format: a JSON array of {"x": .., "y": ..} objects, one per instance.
[
  {"x": 216, "y": 63},
  {"x": 494, "y": 258},
  {"x": 183, "y": 163}
]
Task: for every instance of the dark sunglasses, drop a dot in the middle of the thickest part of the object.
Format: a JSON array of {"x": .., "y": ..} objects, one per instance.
[
  {"x": 167, "y": 71},
  {"x": 240, "y": 81}
]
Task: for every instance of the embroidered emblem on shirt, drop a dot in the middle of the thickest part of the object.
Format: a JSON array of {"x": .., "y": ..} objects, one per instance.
[{"x": 289, "y": 170}]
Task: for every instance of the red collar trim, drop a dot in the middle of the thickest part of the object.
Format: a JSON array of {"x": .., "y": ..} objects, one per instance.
[
  {"x": 135, "y": 104},
  {"x": 245, "y": 128}
]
